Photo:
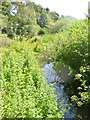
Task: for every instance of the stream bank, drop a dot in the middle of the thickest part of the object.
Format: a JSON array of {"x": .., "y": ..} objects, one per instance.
[{"x": 52, "y": 78}]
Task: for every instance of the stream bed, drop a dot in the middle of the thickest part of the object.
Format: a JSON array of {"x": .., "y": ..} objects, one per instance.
[{"x": 52, "y": 78}]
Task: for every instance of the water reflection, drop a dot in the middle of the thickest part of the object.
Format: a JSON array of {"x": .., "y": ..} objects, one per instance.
[{"x": 53, "y": 78}]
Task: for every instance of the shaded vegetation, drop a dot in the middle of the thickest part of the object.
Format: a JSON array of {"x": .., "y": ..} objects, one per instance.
[{"x": 30, "y": 37}]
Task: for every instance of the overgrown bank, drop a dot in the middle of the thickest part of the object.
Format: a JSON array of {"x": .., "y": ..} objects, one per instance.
[
  {"x": 25, "y": 93},
  {"x": 74, "y": 53},
  {"x": 44, "y": 36}
]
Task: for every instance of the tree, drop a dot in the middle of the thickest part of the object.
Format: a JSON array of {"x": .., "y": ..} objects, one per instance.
[
  {"x": 22, "y": 22},
  {"x": 42, "y": 20},
  {"x": 54, "y": 16}
]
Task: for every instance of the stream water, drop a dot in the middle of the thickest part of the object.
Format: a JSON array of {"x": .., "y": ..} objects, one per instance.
[{"x": 53, "y": 78}]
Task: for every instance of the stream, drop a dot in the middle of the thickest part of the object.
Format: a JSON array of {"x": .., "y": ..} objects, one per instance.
[{"x": 52, "y": 78}]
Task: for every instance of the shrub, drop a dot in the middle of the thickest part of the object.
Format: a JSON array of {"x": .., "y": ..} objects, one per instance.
[
  {"x": 73, "y": 51},
  {"x": 25, "y": 93}
]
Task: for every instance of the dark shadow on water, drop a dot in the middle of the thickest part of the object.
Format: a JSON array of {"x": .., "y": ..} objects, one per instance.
[
  {"x": 53, "y": 78},
  {"x": 64, "y": 88}
]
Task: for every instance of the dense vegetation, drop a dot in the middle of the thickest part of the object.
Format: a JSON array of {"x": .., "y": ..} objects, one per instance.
[
  {"x": 31, "y": 36},
  {"x": 74, "y": 53},
  {"x": 25, "y": 93}
]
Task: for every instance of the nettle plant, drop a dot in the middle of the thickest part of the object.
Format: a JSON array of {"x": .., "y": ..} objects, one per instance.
[{"x": 25, "y": 92}]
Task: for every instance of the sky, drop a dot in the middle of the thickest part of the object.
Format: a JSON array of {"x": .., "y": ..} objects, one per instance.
[{"x": 75, "y": 8}]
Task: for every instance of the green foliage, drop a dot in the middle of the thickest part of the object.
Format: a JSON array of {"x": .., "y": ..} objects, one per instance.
[
  {"x": 59, "y": 25},
  {"x": 73, "y": 47},
  {"x": 5, "y": 7},
  {"x": 41, "y": 32},
  {"x": 3, "y": 22},
  {"x": 30, "y": 20},
  {"x": 42, "y": 20},
  {"x": 84, "y": 88},
  {"x": 25, "y": 93},
  {"x": 73, "y": 51},
  {"x": 54, "y": 16},
  {"x": 4, "y": 40},
  {"x": 24, "y": 22}
]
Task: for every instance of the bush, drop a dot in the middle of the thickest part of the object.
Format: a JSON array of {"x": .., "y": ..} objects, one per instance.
[
  {"x": 73, "y": 46},
  {"x": 73, "y": 51},
  {"x": 25, "y": 93}
]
